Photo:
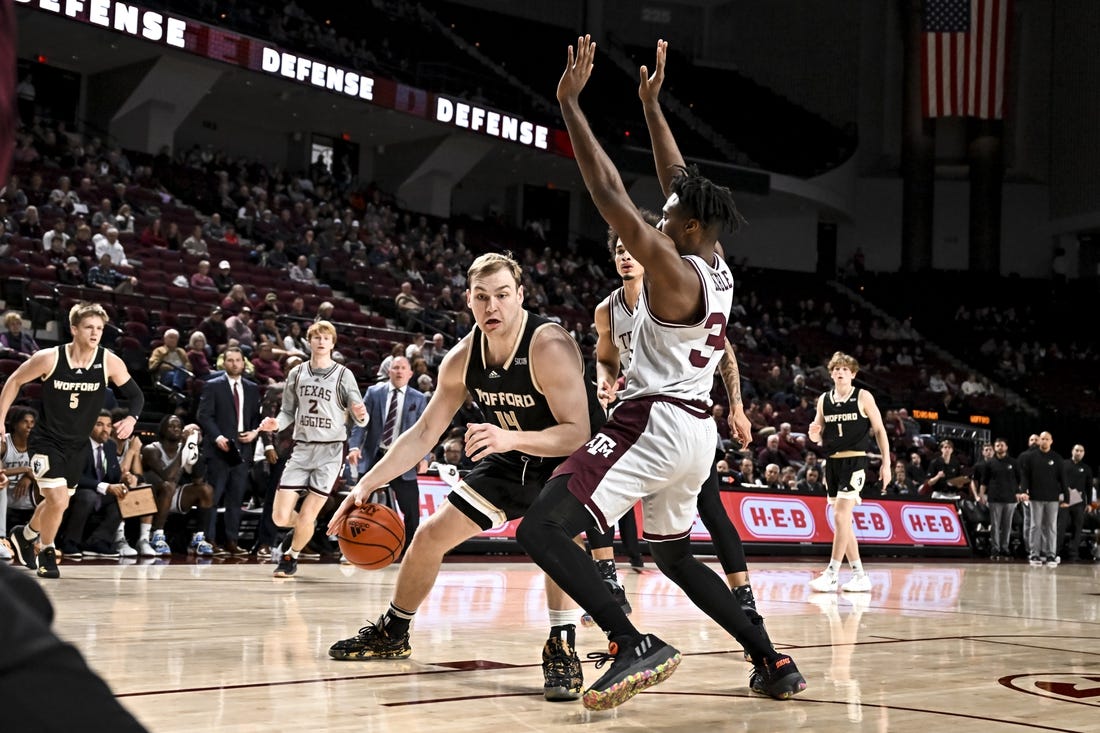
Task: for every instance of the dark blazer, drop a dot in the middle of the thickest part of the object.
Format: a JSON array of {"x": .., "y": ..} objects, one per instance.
[
  {"x": 113, "y": 475},
  {"x": 217, "y": 416},
  {"x": 368, "y": 439}
]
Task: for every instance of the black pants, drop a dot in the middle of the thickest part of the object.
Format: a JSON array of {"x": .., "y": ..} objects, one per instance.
[
  {"x": 1073, "y": 519},
  {"x": 727, "y": 542},
  {"x": 229, "y": 483},
  {"x": 57, "y": 692},
  {"x": 408, "y": 500},
  {"x": 82, "y": 505}
]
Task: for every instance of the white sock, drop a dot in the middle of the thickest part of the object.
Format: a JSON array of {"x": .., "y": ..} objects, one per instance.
[
  {"x": 857, "y": 567},
  {"x": 562, "y": 618},
  {"x": 29, "y": 534},
  {"x": 834, "y": 567},
  {"x": 144, "y": 534},
  {"x": 120, "y": 533}
]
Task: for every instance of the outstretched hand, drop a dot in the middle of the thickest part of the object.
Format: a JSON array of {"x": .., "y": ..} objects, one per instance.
[
  {"x": 649, "y": 85},
  {"x": 578, "y": 69}
]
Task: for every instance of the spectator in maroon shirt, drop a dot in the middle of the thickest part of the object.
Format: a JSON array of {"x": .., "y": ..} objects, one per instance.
[{"x": 267, "y": 367}]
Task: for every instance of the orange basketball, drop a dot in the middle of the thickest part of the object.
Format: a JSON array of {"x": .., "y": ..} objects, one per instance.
[{"x": 372, "y": 536}]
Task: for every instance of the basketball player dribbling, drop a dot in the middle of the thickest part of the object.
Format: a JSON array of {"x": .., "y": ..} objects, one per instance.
[{"x": 528, "y": 374}]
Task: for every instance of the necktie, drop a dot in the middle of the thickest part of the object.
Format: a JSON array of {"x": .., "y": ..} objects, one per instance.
[
  {"x": 391, "y": 419},
  {"x": 100, "y": 465},
  {"x": 237, "y": 399}
]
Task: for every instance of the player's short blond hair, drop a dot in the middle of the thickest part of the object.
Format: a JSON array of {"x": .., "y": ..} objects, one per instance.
[
  {"x": 840, "y": 359},
  {"x": 322, "y": 326},
  {"x": 491, "y": 262},
  {"x": 83, "y": 310}
]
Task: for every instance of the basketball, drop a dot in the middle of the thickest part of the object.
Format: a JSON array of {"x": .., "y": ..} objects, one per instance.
[{"x": 372, "y": 536}]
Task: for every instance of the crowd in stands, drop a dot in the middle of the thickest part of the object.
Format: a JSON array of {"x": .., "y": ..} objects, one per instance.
[{"x": 141, "y": 234}]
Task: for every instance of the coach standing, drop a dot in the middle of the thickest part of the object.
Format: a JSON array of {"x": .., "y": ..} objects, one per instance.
[{"x": 1042, "y": 480}]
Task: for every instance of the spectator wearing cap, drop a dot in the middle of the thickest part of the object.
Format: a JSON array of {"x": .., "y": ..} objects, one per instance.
[
  {"x": 223, "y": 279},
  {"x": 214, "y": 328},
  {"x": 268, "y": 329},
  {"x": 239, "y": 328},
  {"x": 195, "y": 244},
  {"x": 73, "y": 273},
  {"x": 201, "y": 279}
]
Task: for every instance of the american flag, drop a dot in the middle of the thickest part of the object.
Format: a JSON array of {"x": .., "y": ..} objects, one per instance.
[{"x": 963, "y": 57}]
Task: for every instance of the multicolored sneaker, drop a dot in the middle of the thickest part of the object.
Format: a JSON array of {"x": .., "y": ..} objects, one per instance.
[
  {"x": 643, "y": 663},
  {"x": 372, "y": 642},
  {"x": 199, "y": 546},
  {"x": 561, "y": 671}
]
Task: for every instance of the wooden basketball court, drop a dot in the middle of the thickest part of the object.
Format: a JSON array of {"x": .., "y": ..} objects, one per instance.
[{"x": 938, "y": 645}]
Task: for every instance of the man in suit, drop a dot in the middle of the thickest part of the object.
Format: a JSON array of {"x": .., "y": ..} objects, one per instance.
[
  {"x": 229, "y": 413},
  {"x": 98, "y": 490},
  {"x": 392, "y": 408}
]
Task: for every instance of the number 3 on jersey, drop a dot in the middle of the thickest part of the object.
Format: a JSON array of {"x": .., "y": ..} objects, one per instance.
[{"x": 716, "y": 341}]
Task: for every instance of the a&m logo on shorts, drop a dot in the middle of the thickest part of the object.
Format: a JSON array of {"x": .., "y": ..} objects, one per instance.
[{"x": 601, "y": 445}]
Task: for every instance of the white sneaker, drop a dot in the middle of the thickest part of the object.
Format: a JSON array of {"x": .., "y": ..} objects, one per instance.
[
  {"x": 5, "y": 550},
  {"x": 145, "y": 548},
  {"x": 827, "y": 582},
  {"x": 859, "y": 583},
  {"x": 123, "y": 549}
]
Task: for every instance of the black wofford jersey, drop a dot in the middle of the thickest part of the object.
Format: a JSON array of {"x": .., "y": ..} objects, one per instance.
[
  {"x": 71, "y": 399},
  {"x": 846, "y": 428},
  {"x": 506, "y": 392}
]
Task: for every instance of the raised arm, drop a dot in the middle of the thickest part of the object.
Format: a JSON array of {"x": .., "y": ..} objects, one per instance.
[
  {"x": 36, "y": 367},
  {"x": 666, "y": 153},
  {"x": 665, "y": 270}
]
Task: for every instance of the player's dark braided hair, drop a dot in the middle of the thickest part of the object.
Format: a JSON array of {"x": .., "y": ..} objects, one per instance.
[{"x": 704, "y": 200}]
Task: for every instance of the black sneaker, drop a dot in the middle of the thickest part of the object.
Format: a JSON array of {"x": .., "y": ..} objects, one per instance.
[
  {"x": 372, "y": 642},
  {"x": 561, "y": 671},
  {"x": 47, "y": 563},
  {"x": 287, "y": 566},
  {"x": 782, "y": 678},
  {"x": 758, "y": 680},
  {"x": 24, "y": 548},
  {"x": 646, "y": 662}
]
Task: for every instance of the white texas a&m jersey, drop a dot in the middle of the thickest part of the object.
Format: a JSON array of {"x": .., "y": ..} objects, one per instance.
[
  {"x": 621, "y": 318},
  {"x": 674, "y": 360}
]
